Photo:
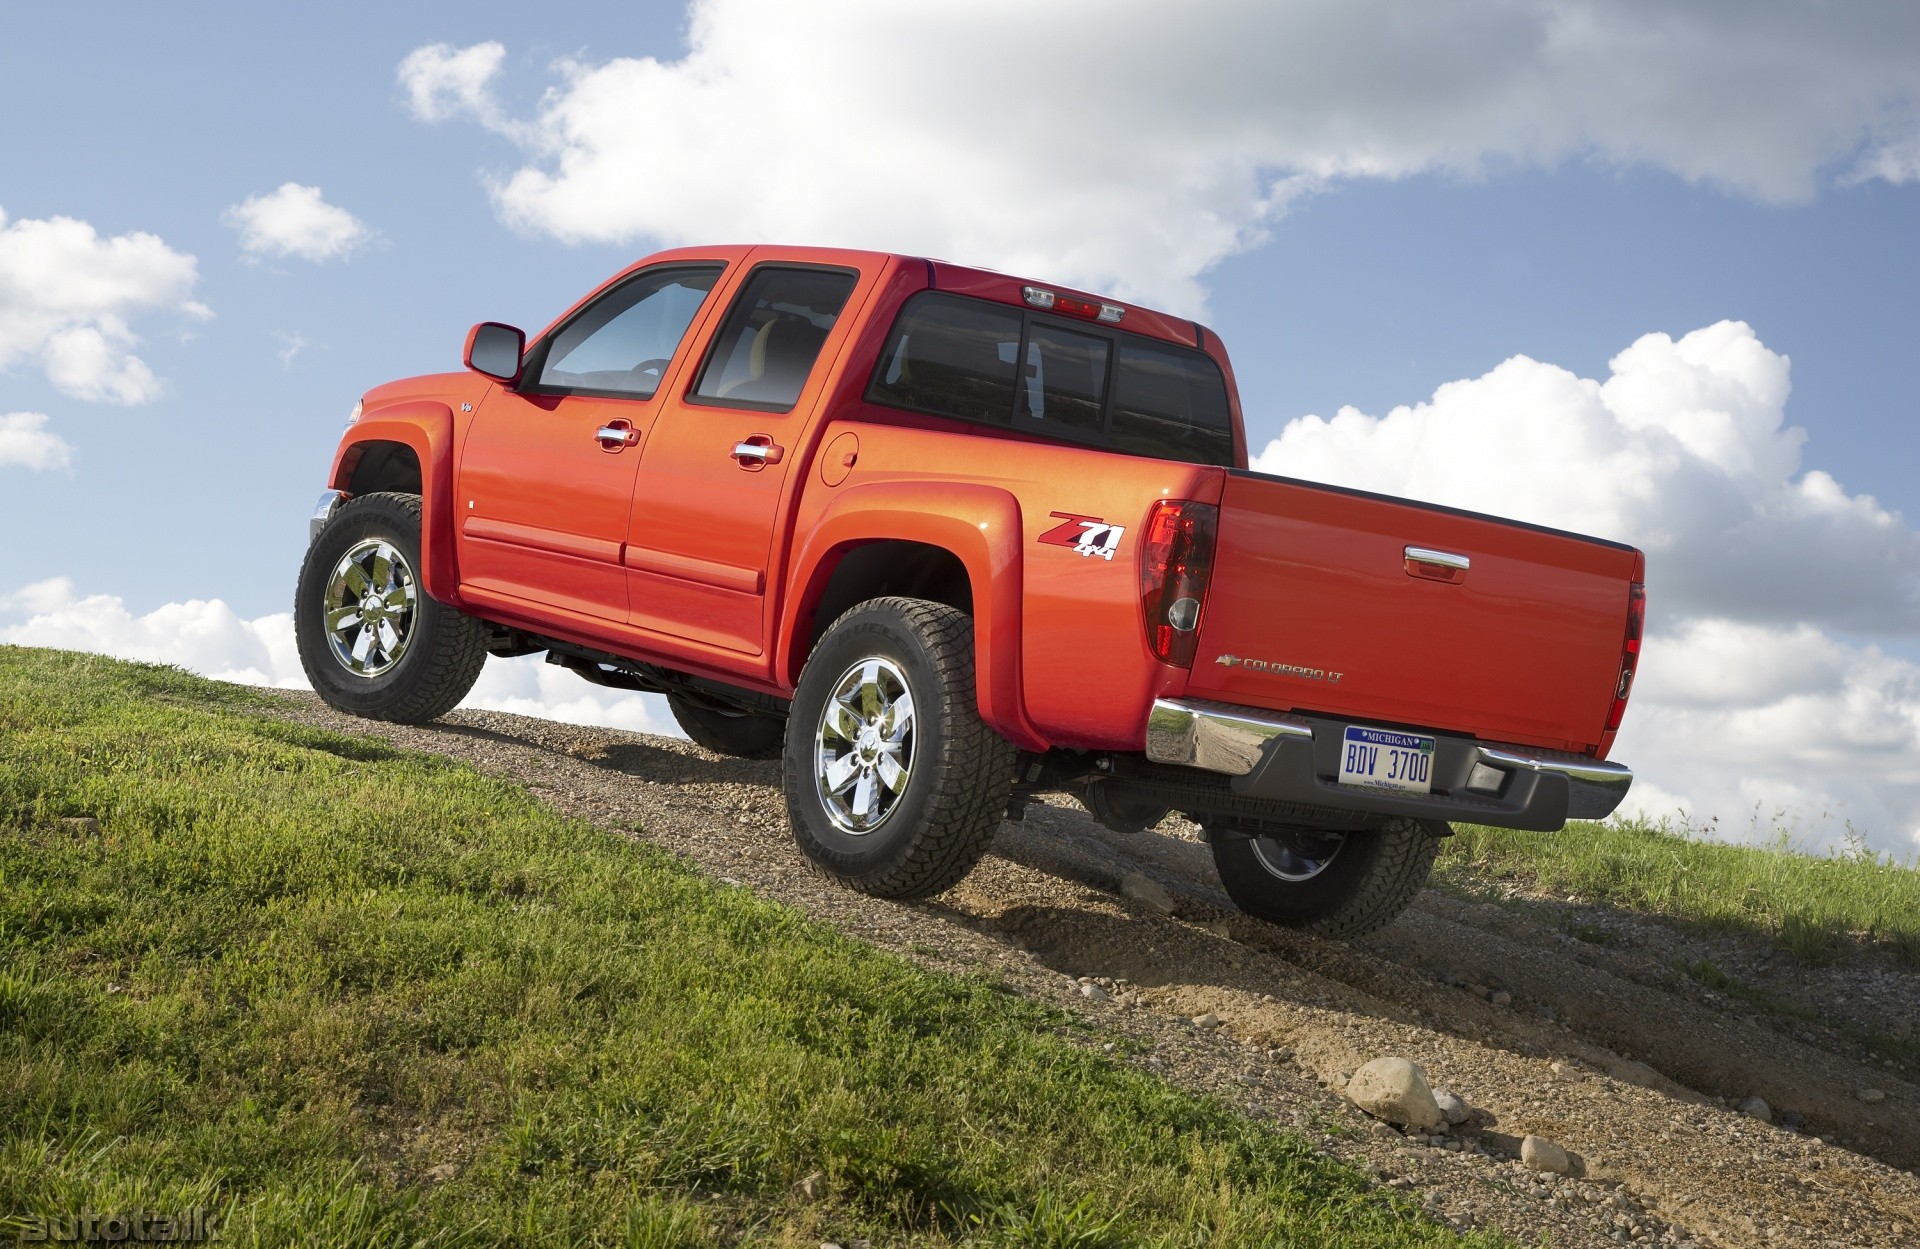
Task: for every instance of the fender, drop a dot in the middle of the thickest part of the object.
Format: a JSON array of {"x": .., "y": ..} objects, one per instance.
[
  {"x": 981, "y": 526},
  {"x": 427, "y": 427}
]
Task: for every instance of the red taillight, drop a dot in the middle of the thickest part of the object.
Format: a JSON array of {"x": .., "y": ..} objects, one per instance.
[
  {"x": 1176, "y": 558},
  {"x": 1629, "y": 654}
]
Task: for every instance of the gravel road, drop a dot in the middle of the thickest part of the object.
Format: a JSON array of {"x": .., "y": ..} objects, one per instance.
[{"x": 1606, "y": 1049}]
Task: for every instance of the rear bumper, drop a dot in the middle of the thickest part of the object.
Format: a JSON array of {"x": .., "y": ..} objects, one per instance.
[{"x": 1296, "y": 759}]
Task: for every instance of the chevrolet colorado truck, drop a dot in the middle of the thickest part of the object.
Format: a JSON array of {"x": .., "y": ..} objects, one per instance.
[{"x": 944, "y": 539}]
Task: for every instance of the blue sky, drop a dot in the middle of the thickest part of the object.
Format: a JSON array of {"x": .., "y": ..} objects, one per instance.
[{"x": 1383, "y": 277}]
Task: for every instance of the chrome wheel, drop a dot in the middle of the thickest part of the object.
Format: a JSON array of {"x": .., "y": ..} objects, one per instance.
[
  {"x": 1298, "y": 856},
  {"x": 371, "y": 605},
  {"x": 863, "y": 749}
]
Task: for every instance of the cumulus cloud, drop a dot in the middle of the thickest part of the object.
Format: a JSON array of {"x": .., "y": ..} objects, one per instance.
[
  {"x": 1751, "y": 730},
  {"x": 26, "y": 442},
  {"x": 67, "y": 297},
  {"x": 294, "y": 220},
  {"x": 1128, "y": 145},
  {"x": 1683, "y": 450},
  {"x": 209, "y": 637}
]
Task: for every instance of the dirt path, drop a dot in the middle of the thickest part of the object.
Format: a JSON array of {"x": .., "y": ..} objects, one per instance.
[{"x": 1606, "y": 1050}]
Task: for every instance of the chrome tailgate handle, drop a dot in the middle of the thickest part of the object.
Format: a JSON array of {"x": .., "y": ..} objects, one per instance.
[{"x": 1436, "y": 565}]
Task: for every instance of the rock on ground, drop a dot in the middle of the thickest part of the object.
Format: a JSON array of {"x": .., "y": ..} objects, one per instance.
[
  {"x": 1756, "y": 1108},
  {"x": 1148, "y": 892},
  {"x": 1395, "y": 1090},
  {"x": 1541, "y": 1154},
  {"x": 1452, "y": 1109}
]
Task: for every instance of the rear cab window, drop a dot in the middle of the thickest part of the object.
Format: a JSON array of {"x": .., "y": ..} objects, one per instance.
[{"x": 975, "y": 360}]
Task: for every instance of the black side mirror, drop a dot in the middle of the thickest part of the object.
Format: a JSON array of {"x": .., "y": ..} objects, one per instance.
[{"x": 495, "y": 350}]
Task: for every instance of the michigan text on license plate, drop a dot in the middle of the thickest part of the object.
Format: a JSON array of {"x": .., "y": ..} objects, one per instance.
[{"x": 1383, "y": 759}]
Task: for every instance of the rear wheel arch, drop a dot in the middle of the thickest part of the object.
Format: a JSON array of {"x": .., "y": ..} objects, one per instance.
[{"x": 942, "y": 531}]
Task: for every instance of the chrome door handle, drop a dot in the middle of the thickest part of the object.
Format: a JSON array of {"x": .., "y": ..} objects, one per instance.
[
  {"x": 757, "y": 451},
  {"x": 617, "y": 435}
]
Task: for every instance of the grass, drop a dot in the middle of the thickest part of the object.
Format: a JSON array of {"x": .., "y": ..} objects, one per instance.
[
  {"x": 1819, "y": 908},
  {"x": 340, "y": 994}
]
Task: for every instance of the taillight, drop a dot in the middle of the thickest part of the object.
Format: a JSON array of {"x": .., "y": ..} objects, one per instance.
[
  {"x": 1176, "y": 559},
  {"x": 1629, "y": 654}
]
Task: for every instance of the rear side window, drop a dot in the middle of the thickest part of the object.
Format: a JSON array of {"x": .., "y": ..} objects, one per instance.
[
  {"x": 979, "y": 361},
  {"x": 772, "y": 335}
]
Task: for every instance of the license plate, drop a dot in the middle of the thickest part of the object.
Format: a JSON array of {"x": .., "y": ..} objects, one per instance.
[{"x": 1383, "y": 759}]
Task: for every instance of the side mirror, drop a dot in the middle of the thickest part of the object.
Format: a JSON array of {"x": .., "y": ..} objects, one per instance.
[{"x": 494, "y": 349}]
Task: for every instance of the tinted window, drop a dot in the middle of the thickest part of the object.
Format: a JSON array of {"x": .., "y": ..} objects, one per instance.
[
  {"x": 1064, "y": 384},
  {"x": 771, "y": 337},
  {"x": 953, "y": 357},
  {"x": 622, "y": 343},
  {"x": 1171, "y": 404}
]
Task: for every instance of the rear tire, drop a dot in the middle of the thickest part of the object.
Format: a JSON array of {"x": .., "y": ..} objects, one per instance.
[
  {"x": 372, "y": 642},
  {"x": 894, "y": 784},
  {"x": 1333, "y": 884},
  {"x": 741, "y": 734}
]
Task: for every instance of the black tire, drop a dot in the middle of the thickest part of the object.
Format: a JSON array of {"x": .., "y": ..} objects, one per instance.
[
  {"x": 959, "y": 771},
  {"x": 741, "y": 734},
  {"x": 1362, "y": 886},
  {"x": 443, "y": 651}
]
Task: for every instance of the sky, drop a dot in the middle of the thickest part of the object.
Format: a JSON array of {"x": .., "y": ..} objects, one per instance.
[{"x": 1645, "y": 270}]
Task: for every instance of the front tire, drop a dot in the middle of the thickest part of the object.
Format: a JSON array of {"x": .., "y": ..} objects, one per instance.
[
  {"x": 1329, "y": 883},
  {"x": 894, "y": 785},
  {"x": 371, "y": 640}
]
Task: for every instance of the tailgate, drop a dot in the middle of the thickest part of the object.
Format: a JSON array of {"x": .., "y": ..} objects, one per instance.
[{"x": 1315, "y": 606}]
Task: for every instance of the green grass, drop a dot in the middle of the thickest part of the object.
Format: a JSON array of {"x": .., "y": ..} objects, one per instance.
[
  {"x": 345, "y": 995},
  {"x": 1819, "y": 908}
]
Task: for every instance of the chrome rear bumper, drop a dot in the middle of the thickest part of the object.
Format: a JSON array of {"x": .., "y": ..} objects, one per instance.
[{"x": 1296, "y": 759}]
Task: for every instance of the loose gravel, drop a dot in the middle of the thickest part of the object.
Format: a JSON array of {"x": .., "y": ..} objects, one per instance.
[{"x": 1608, "y": 1053}]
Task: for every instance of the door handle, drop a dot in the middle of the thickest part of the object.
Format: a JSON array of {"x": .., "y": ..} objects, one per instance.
[
  {"x": 758, "y": 451},
  {"x": 615, "y": 435},
  {"x": 1436, "y": 565}
]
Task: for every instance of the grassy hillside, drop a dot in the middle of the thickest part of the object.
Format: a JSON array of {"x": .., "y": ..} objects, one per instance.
[
  {"x": 344, "y": 995},
  {"x": 1819, "y": 908}
]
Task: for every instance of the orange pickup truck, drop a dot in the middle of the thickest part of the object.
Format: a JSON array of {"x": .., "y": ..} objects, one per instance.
[{"x": 944, "y": 539}]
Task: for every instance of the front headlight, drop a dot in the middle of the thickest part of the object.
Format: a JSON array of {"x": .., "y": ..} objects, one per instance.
[{"x": 353, "y": 417}]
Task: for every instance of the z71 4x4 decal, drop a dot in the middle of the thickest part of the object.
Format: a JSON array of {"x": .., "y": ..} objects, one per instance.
[{"x": 1087, "y": 535}]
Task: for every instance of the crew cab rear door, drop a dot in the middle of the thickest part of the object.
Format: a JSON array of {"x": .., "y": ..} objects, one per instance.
[
  {"x": 546, "y": 477},
  {"x": 717, "y": 464},
  {"x": 1382, "y": 610}
]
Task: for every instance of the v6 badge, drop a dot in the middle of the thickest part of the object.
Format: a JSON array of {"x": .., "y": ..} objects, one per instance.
[{"x": 1087, "y": 535}]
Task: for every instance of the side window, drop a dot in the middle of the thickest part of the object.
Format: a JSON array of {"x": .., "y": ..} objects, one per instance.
[
  {"x": 1065, "y": 384},
  {"x": 1171, "y": 404},
  {"x": 951, "y": 357},
  {"x": 771, "y": 337},
  {"x": 622, "y": 343}
]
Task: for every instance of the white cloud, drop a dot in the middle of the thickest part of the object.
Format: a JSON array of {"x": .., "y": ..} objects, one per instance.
[
  {"x": 1129, "y": 145},
  {"x": 67, "y": 297},
  {"x": 209, "y": 637},
  {"x": 295, "y": 221},
  {"x": 291, "y": 345},
  {"x": 1763, "y": 727},
  {"x": 1683, "y": 450},
  {"x": 26, "y": 442},
  {"x": 444, "y": 82}
]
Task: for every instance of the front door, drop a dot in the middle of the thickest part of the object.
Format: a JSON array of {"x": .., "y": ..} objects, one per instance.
[
  {"x": 546, "y": 481},
  {"x": 710, "y": 482}
]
